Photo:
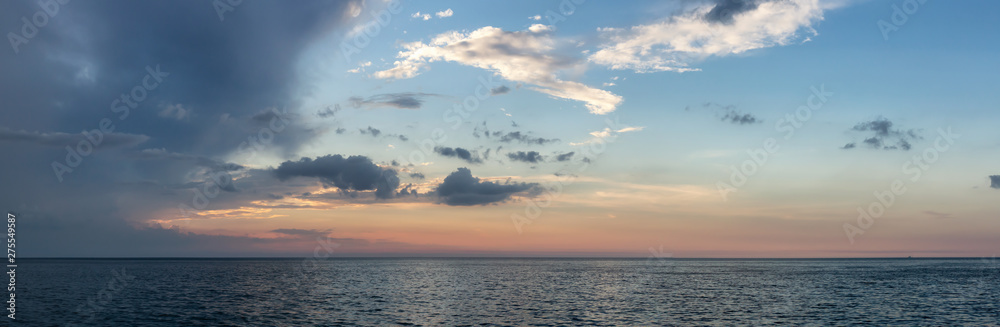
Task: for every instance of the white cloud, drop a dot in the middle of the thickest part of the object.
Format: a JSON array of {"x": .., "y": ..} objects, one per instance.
[
  {"x": 535, "y": 17},
  {"x": 421, "y": 16},
  {"x": 443, "y": 14},
  {"x": 677, "y": 42},
  {"x": 520, "y": 56},
  {"x": 175, "y": 111},
  {"x": 360, "y": 68},
  {"x": 606, "y": 133},
  {"x": 354, "y": 8}
]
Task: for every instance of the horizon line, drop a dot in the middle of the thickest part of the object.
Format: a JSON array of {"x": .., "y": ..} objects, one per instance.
[{"x": 485, "y": 257}]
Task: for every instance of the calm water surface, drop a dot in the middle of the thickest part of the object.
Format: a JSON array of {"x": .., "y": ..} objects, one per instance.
[{"x": 518, "y": 292}]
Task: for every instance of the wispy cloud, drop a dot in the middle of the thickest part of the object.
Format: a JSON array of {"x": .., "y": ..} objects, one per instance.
[
  {"x": 406, "y": 100},
  {"x": 722, "y": 28},
  {"x": 522, "y": 56},
  {"x": 607, "y": 133},
  {"x": 884, "y": 137},
  {"x": 59, "y": 139}
]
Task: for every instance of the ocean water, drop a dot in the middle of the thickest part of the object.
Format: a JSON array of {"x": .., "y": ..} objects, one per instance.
[{"x": 515, "y": 292}]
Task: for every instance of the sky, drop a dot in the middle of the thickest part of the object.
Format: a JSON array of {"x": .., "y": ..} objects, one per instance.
[{"x": 696, "y": 128}]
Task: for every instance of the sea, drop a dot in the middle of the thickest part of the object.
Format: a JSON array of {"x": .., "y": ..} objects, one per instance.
[{"x": 507, "y": 292}]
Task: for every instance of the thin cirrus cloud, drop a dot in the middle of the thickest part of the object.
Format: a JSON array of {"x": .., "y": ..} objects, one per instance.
[
  {"x": 511, "y": 137},
  {"x": 526, "y": 56},
  {"x": 59, "y": 139},
  {"x": 607, "y": 134},
  {"x": 202, "y": 161},
  {"x": 523, "y": 138},
  {"x": 405, "y": 100},
  {"x": 721, "y": 28},
  {"x": 303, "y": 233},
  {"x": 730, "y": 114}
]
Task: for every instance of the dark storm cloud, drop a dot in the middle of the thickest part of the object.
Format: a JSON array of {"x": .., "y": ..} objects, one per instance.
[
  {"x": 89, "y": 56},
  {"x": 407, "y": 100},
  {"x": 204, "y": 62},
  {"x": 460, "y": 188},
  {"x": 995, "y": 181},
  {"x": 58, "y": 139},
  {"x": 530, "y": 156},
  {"x": 355, "y": 173},
  {"x": 502, "y": 89},
  {"x": 885, "y": 136},
  {"x": 417, "y": 176},
  {"x": 458, "y": 153},
  {"x": 725, "y": 10},
  {"x": 386, "y": 185},
  {"x": 523, "y": 138}
]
